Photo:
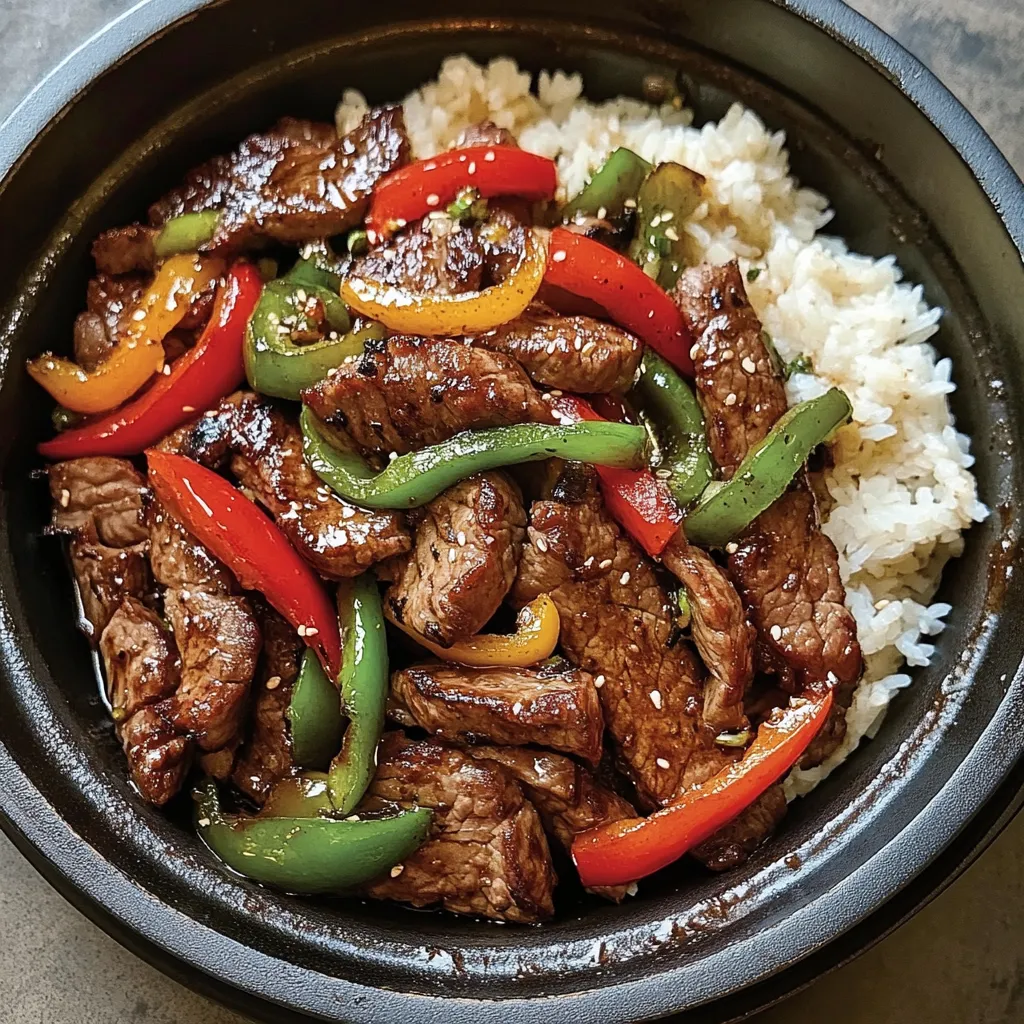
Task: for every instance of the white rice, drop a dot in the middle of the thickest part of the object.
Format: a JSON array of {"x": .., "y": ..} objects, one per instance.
[{"x": 901, "y": 483}]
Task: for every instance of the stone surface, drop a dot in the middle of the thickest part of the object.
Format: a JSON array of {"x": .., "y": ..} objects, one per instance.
[{"x": 960, "y": 961}]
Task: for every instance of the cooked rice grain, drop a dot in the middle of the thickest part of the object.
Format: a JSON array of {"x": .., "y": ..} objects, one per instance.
[{"x": 901, "y": 484}]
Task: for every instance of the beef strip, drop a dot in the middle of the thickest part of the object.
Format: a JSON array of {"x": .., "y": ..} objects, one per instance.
[
  {"x": 409, "y": 392},
  {"x": 487, "y": 854},
  {"x": 574, "y": 353},
  {"x": 215, "y": 630},
  {"x": 785, "y": 568},
  {"x": 724, "y": 638},
  {"x": 731, "y": 845},
  {"x": 264, "y": 446},
  {"x": 296, "y": 182},
  {"x": 617, "y": 623},
  {"x": 125, "y": 250},
  {"x": 568, "y": 797},
  {"x": 553, "y": 706},
  {"x": 468, "y": 543},
  {"x": 266, "y": 756},
  {"x": 98, "y": 503},
  {"x": 142, "y": 672}
]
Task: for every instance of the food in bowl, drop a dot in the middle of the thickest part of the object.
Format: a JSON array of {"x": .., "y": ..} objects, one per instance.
[{"x": 632, "y": 488}]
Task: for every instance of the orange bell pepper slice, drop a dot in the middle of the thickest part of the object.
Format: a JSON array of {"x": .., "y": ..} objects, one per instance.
[
  {"x": 139, "y": 352},
  {"x": 450, "y": 315}
]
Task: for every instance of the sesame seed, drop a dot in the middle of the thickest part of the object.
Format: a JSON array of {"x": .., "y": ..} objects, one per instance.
[
  {"x": 558, "y": 256},
  {"x": 65, "y": 497},
  {"x": 347, "y": 512},
  {"x": 516, "y": 708},
  {"x": 832, "y": 678},
  {"x": 301, "y": 630},
  {"x": 629, "y": 204},
  {"x": 748, "y": 364},
  {"x": 776, "y": 632},
  {"x": 397, "y": 870},
  {"x": 311, "y": 631},
  {"x": 203, "y": 822},
  {"x": 433, "y": 199},
  {"x": 300, "y": 294},
  {"x": 731, "y": 548},
  {"x": 655, "y": 696},
  {"x": 605, "y": 564},
  {"x": 353, "y": 817},
  {"x": 139, "y": 314},
  {"x": 542, "y": 544},
  {"x": 730, "y": 399},
  {"x": 632, "y": 889},
  {"x": 663, "y": 474},
  {"x": 452, "y": 555},
  {"x": 188, "y": 408},
  {"x": 460, "y": 537},
  {"x": 671, "y": 234},
  {"x": 727, "y": 355},
  {"x": 694, "y": 350},
  {"x": 472, "y": 167},
  {"x": 552, "y": 345},
  {"x": 624, "y": 578},
  {"x": 662, "y": 763},
  {"x": 166, "y": 370},
  {"x": 599, "y": 681},
  {"x": 489, "y": 156},
  {"x": 655, "y": 220},
  {"x": 273, "y": 682},
  {"x": 602, "y": 213}
]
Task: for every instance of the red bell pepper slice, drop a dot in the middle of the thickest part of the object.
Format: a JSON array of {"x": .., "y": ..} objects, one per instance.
[
  {"x": 636, "y": 498},
  {"x": 248, "y": 542},
  {"x": 202, "y": 376},
  {"x": 627, "y": 850},
  {"x": 586, "y": 268},
  {"x": 414, "y": 191}
]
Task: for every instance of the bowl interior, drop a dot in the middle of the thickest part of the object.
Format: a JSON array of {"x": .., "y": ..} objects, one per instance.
[{"x": 897, "y": 186}]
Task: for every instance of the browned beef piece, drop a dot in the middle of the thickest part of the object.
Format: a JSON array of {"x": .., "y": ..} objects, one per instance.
[
  {"x": 266, "y": 756},
  {"x": 125, "y": 250},
  {"x": 296, "y": 182},
  {"x": 409, "y": 392},
  {"x": 785, "y": 568},
  {"x": 732, "y": 845},
  {"x": 553, "y": 706},
  {"x": 91, "y": 344},
  {"x": 487, "y": 854},
  {"x": 432, "y": 257},
  {"x": 97, "y": 503},
  {"x": 741, "y": 394},
  {"x": 724, "y": 638},
  {"x": 468, "y": 543},
  {"x": 264, "y": 446},
  {"x": 574, "y": 353},
  {"x": 617, "y": 623},
  {"x": 215, "y": 630},
  {"x": 142, "y": 671},
  {"x": 568, "y": 797}
]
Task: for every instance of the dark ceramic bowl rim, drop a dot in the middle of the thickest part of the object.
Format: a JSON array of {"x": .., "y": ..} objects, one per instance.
[{"x": 210, "y": 961}]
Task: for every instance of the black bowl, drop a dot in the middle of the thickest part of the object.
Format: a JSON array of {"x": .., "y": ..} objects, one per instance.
[{"x": 909, "y": 172}]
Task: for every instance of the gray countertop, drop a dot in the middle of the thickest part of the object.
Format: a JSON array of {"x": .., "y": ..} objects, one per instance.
[{"x": 960, "y": 961}]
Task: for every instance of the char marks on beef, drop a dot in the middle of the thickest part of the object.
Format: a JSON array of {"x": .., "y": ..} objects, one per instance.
[
  {"x": 410, "y": 392},
  {"x": 264, "y": 446},
  {"x": 486, "y": 855},
  {"x": 554, "y": 706},
  {"x": 468, "y": 542}
]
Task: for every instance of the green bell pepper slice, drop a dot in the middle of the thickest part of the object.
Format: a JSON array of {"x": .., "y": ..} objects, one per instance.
[
  {"x": 364, "y": 689},
  {"x": 186, "y": 233},
  {"x": 318, "y": 266},
  {"x": 414, "y": 479},
  {"x": 763, "y": 476},
  {"x": 308, "y": 854},
  {"x": 670, "y": 405},
  {"x": 667, "y": 198},
  {"x": 278, "y": 364},
  {"x": 314, "y": 714},
  {"x": 611, "y": 194}
]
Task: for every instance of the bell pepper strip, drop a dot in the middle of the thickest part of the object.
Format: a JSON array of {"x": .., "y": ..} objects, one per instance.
[
  {"x": 300, "y": 796},
  {"x": 314, "y": 716},
  {"x": 139, "y": 353},
  {"x": 666, "y": 200},
  {"x": 589, "y": 269},
  {"x": 186, "y": 233},
  {"x": 636, "y": 498},
  {"x": 625, "y": 851},
  {"x": 611, "y": 194},
  {"x": 417, "y": 189},
  {"x": 535, "y": 638},
  {"x": 318, "y": 265},
  {"x": 450, "y": 315},
  {"x": 297, "y": 335},
  {"x": 727, "y": 509},
  {"x": 248, "y": 542},
  {"x": 414, "y": 479},
  {"x": 364, "y": 690},
  {"x": 207, "y": 372},
  {"x": 671, "y": 408},
  {"x": 308, "y": 853}
]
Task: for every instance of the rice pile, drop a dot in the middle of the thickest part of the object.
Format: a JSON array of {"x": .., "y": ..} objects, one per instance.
[{"x": 901, "y": 484}]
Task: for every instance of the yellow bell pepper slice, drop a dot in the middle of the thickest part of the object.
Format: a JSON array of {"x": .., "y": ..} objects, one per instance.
[
  {"x": 535, "y": 638},
  {"x": 139, "y": 353},
  {"x": 450, "y": 315}
]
